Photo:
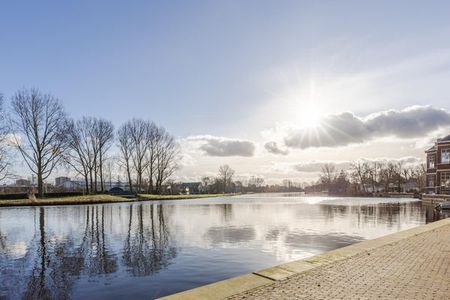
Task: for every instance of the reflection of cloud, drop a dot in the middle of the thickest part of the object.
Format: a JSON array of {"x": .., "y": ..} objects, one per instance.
[
  {"x": 219, "y": 235},
  {"x": 14, "y": 250},
  {"x": 346, "y": 128},
  {"x": 220, "y": 146}
]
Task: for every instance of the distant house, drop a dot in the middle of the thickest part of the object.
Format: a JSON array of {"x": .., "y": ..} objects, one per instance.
[
  {"x": 438, "y": 167},
  {"x": 188, "y": 187},
  {"x": 23, "y": 183}
]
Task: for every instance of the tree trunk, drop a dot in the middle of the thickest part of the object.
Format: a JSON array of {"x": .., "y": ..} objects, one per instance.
[
  {"x": 130, "y": 182},
  {"x": 102, "y": 184},
  {"x": 86, "y": 180},
  {"x": 40, "y": 184},
  {"x": 91, "y": 180}
]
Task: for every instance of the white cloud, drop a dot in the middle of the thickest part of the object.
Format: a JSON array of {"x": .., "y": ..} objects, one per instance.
[
  {"x": 345, "y": 128},
  {"x": 272, "y": 147},
  {"x": 222, "y": 147}
]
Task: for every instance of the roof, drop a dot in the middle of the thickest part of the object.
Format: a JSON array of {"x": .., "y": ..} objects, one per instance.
[
  {"x": 444, "y": 139},
  {"x": 431, "y": 149}
]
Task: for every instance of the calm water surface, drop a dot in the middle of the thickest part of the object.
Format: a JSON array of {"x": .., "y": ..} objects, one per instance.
[{"x": 150, "y": 249}]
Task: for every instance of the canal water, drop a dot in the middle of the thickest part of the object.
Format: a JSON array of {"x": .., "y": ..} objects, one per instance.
[{"x": 146, "y": 250}]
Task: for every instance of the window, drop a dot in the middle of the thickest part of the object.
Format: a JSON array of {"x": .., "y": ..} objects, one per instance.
[
  {"x": 431, "y": 181},
  {"x": 445, "y": 156},
  {"x": 431, "y": 162},
  {"x": 445, "y": 179}
]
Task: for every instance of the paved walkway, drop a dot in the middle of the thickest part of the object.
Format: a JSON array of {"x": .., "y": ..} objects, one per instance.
[{"x": 417, "y": 267}]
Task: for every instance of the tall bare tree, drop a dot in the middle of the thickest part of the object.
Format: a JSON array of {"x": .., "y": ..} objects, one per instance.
[
  {"x": 360, "y": 173},
  {"x": 81, "y": 155},
  {"x": 225, "y": 176},
  {"x": 138, "y": 131},
  {"x": 41, "y": 121},
  {"x": 4, "y": 162},
  {"x": 329, "y": 175},
  {"x": 126, "y": 151},
  {"x": 104, "y": 132},
  {"x": 156, "y": 138},
  {"x": 166, "y": 158}
]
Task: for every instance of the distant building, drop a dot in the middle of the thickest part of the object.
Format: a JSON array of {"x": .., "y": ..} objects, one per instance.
[
  {"x": 182, "y": 188},
  {"x": 59, "y": 181},
  {"x": 438, "y": 167},
  {"x": 23, "y": 182}
]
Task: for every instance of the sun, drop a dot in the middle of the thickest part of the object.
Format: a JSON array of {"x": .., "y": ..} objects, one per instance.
[{"x": 310, "y": 117}]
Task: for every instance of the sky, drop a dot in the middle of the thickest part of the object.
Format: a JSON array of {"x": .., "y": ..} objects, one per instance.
[{"x": 272, "y": 88}]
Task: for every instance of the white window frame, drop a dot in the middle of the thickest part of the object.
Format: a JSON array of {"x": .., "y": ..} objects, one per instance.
[
  {"x": 445, "y": 179},
  {"x": 431, "y": 162},
  {"x": 445, "y": 153}
]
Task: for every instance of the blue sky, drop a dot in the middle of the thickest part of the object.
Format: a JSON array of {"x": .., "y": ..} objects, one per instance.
[{"x": 236, "y": 70}]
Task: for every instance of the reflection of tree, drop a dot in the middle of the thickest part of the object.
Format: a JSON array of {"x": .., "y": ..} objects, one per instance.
[
  {"x": 2, "y": 241},
  {"x": 60, "y": 261},
  {"x": 50, "y": 278},
  {"x": 93, "y": 248},
  {"x": 147, "y": 248},
  {"x": 227, "y": 212}
]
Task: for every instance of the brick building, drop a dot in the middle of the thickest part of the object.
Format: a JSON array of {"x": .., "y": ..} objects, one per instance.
[{"x": 438, "y": 167}]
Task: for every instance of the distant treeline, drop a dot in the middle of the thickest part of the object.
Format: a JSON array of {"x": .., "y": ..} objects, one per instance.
[{"x": 366, "y": 177}]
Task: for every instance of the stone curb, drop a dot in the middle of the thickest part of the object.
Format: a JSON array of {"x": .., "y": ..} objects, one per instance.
[{"x": 243, "y": 283}]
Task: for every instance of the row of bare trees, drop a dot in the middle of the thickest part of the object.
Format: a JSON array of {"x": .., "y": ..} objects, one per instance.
[
  {"x": 368, "y": 177},
  {"x": 88, "y": 141},
  {"x": 46, "y": 138},
  {"x": 148, "y": 154}
]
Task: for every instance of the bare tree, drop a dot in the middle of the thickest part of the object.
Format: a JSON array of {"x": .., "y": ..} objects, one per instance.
[
  {"x": 41, "y": 120},
  {"x": 207, "y": 182},
  {"x": 89, "y": 139},
  {"x": 398, "y": 173},
  {"x": 4, "y": 162},
  {"x": 155, "y": 135},
  {"x": 105, "y": 138},
  {"x": 139, "y": 132},
  {"x": 329, "y": 175},
  {"x": 78, "y": 154},
  {"x": 418, "y": 175},
  {"x": 388, "y": 175},
  {"x": 360, "y": 173},
  {"x": 225, "y": 176},
  {"x": 166, "y": 158},
  {"x": 126, "y": 149}
]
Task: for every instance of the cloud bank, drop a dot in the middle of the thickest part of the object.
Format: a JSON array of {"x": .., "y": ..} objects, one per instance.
[
  {"x": 345, "y": 128},
  {"x": 222, "y": 147}
]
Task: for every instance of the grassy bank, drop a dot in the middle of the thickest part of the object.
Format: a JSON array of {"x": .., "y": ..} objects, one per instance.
[
  {"x": 73, "y": 200},
  {"x": 179, "y": 197}
]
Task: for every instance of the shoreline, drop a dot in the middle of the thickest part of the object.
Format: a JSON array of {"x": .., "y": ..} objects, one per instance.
[
  {"x": 103, "y": 199},
  {"x": 267, "y": 277}
]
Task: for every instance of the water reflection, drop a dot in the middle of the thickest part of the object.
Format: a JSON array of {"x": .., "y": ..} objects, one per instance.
[
  {"x": 149, "y": 249},
  {"x": 146, "y": 249}
]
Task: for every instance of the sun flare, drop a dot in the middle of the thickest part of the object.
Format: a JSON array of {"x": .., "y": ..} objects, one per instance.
[{"x": 310, "y": 118}]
